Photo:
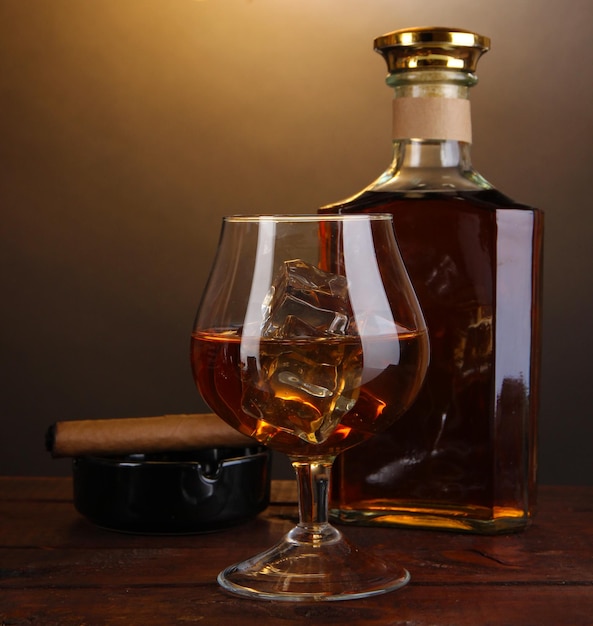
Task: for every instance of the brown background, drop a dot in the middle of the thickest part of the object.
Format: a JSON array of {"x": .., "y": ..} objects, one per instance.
[{"x": 129, "y": 127}]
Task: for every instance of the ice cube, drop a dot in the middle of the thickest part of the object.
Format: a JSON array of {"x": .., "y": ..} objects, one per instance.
[
  {"x": 306, "y": 301},
  {"x": 307, "y": 370}
]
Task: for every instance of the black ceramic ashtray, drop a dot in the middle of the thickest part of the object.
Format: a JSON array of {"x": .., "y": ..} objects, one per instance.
[{"x": 177, "y": 492}]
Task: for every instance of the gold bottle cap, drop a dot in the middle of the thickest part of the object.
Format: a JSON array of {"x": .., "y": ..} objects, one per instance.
[{"x": 432, "y": 47}]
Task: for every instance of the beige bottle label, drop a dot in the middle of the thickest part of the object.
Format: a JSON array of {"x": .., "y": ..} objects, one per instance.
[{"x": 432, "y": 118}]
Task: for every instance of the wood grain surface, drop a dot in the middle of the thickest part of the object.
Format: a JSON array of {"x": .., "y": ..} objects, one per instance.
[{"x": 58, "y": 569}]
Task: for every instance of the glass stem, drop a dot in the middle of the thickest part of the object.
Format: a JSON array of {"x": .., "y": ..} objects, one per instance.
[{"x": 313, "y": 483}]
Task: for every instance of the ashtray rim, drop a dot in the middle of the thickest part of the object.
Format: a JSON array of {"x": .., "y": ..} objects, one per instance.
[{"x": 151, "y": 492}]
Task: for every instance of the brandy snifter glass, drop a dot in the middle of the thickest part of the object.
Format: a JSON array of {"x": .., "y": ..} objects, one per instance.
[{"x": 309, "y": 338}]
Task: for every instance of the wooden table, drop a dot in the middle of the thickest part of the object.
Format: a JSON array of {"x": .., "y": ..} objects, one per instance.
[{"x": 58, "y": 569}]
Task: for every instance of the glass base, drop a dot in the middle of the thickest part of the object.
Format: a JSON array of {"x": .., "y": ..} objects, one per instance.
[{"x": 313, "y": 564}]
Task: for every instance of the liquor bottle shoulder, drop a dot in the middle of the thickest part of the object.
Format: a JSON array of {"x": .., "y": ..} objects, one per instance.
[{"x": 372, "y": 201}]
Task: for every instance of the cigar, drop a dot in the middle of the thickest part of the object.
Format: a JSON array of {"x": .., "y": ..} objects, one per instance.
[{"x": 138, "y": 435}]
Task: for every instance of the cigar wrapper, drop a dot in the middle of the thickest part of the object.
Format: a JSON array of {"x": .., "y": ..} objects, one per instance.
[{"x": 165, "y": 433}]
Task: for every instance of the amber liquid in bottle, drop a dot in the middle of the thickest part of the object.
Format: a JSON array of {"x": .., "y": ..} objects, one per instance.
[{"x": 463, "y": 456}]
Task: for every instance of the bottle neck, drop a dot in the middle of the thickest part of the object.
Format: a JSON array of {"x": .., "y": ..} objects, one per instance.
[{"x": 431, "y": 133}]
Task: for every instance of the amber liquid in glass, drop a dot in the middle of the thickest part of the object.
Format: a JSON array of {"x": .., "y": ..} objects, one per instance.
[
  {"x": 462, "y": 457},
  {"x": 295, "y": 417}
]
